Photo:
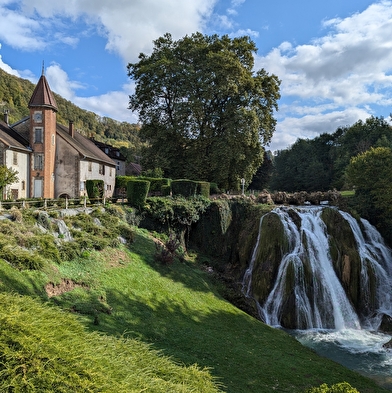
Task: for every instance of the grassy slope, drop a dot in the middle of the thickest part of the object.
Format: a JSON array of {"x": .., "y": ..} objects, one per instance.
[{"x": 178, "y": 310}]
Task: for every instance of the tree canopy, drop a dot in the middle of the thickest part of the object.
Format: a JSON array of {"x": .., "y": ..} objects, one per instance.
[
  {"x": 371, "y": 174},
  {"x": 7, "y": 176},
  {"x": 204, "y": 111},
  {"x": 320, "y": 164}
]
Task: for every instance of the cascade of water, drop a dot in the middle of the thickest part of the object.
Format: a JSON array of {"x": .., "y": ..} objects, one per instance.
[
  {"x": 376, "y": 257},
  {"x": 320, "y": 299}
]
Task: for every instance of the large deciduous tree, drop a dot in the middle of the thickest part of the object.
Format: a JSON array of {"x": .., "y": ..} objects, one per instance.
[{"x": 204, "y": 111}]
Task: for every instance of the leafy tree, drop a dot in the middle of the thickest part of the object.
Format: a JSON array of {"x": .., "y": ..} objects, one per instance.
[
  {"x": 7, "y": 176},
  {"x": 357, "y": 139},
  {"x": 263, "y": 174},
  {"x": 306, "y": 166},
  {"x": 205, "y": 112},
  {"x": 371, "y": 174}
]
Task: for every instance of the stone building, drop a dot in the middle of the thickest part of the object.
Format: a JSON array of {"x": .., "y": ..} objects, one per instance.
[{"x": 52, "y": 160}]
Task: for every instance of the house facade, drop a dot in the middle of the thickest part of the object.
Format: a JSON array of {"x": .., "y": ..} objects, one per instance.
[{"x": 52, "y": 160}]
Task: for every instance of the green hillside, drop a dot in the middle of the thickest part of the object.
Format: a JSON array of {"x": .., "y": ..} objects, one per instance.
[
  {"x": 96, "y": 314},
  {"x": 15, "y": 94}
]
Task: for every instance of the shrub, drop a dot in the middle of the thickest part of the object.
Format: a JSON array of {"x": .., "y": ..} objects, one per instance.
[
  {"x": 343, "y": 387},
  {"x": 156, "y": 184},
  {"x": 165, "y": 190},
  {"x": 214, "y": 189},
  {"x": 137, "y": 191},
  {"x": 183, "y": 187},
  {"x": 95, "y": 189},
  {"x": 167, "y": 251},
  {"x": 122, "y": 181},
  {"x": 203, "y": 188}
]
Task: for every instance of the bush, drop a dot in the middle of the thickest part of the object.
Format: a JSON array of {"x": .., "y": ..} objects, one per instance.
[
  {"x": 203, "y": 189},
  {"x": 214, "y": 189},
  {"x": 95, "y": 189},
  {"x": 183, "y": 187},
  {"x": 343, "y": 387},
  {"x": 165, "y": 190},
  {"x": 137, "y": 191},
  {"x": 156, "y": 184}
]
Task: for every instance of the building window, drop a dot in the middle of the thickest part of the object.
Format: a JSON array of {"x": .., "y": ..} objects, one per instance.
[
  {"x": 82, "y": 186},
  {"x": 38, "y": 135},
  {"x": 38, "y": 161},
  {"x": 53, "y": 139},
  {"x": 15, "y": 160},
  {"x": 23, "y": 185},
  {"x": 90, "y": 166},
  {"x": 101, "y": 169}
]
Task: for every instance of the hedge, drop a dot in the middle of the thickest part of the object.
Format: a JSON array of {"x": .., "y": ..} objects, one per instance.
[
  {"x": 95, "y": 189},
  {"x": 137, "y": 191},
  {"x": 156, "y": 184}
]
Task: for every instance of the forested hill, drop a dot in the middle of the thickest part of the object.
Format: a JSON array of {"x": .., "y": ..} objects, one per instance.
[{"x": 15, "y": 94}]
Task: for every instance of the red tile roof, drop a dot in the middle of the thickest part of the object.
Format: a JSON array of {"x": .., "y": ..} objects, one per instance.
[{"x": 42, "y": 95}]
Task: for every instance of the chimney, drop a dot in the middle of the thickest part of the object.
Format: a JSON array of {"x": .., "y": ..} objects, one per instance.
[
  {"x": 71, "y": 129},
  {"x": 6, "y": 116}
]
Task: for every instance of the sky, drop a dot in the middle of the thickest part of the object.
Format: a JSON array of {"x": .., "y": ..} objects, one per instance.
[{"x": 334, "y": 58}]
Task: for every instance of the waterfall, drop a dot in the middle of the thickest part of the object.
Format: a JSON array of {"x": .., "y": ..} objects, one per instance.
[{"x": 306, "y": 284}]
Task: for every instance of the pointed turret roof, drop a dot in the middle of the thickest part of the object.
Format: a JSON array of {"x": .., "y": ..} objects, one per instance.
[{"x": 42, "y": 95}]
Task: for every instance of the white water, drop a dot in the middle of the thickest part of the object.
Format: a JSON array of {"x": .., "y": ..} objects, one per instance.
[{"x": 331, "y": 325}]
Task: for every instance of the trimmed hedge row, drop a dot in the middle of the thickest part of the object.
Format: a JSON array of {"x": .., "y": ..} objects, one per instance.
[
  {"x": 137, "y": 191},
  {"x": 189, "y": 188},
  {"x": 138, "y": 188}
]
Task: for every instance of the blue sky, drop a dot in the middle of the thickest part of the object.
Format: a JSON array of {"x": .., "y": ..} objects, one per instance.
[{"x": 334, "y": 57}]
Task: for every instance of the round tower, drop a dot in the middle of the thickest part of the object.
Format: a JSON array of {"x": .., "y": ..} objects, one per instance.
[{"x": 43, "y": 109}]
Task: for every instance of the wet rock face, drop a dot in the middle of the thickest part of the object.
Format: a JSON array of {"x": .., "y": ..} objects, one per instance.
[
  {"x": 308, "y": 266},
  {"x": 388, "y": 345},
  {"x": 386, "y": 326}
]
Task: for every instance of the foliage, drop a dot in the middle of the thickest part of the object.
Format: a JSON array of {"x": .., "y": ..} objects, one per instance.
[
  {"x": 203, "y": 189},
  {"x": 121, "y": 181},
  {"x": 165, "y": 252},
  {"x": 156, "y": 183},
  {"x": 45, "y": 350},
  {"x": 95, "y": 189},
  {"x": 176, "y": 212},
  {"x": 7, "y": 176},
  {"x": 177, "y": 309},
  {"x": 205, "y": 112},
  {"x": 319, "y": 164},
  {"x": 371, "y": 174},
  {"x": 15, "y": 94},
  {"x": 156, "y": 172},
  {"x": 263, "y": 174},
  {"x": 184, "y": 187},
  {"x": 343, "y": 387},
  {"x": 137, "y": 191}
]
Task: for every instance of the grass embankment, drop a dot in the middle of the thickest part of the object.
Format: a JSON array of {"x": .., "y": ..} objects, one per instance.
[{"x": 124, "y": 294}]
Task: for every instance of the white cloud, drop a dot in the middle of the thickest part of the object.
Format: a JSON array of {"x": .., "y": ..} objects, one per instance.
[
  {"x": 108, "y": 105},
  {"x": 314, "y": 124},
  {"x": 346, "y": 71},
  {"x": 60, "y": 83},
  {"x": 129, "y": 26}
]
